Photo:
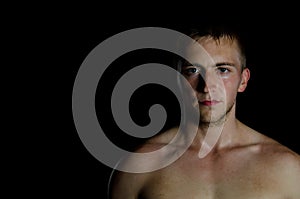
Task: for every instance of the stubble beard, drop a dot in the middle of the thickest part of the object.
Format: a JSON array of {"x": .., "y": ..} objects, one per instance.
[{"x": 218, "y": 120}]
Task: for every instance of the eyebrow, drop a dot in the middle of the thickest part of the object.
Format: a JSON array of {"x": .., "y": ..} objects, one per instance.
[
  {"x": 225, "y": 63},
  {"x": 217, "y": 64},
  {"x": 198, "y": 65}
]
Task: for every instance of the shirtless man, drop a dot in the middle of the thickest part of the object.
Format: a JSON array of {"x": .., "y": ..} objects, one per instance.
[{"x": 242, "y": 164}]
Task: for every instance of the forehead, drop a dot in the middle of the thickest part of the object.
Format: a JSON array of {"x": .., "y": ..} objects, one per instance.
[{"x": 213, "y": 51}]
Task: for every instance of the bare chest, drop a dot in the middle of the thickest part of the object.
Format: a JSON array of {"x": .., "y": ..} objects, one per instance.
[{"x": 211, "y": 179}]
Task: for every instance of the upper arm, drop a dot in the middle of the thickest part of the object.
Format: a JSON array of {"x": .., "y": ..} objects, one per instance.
[
  {"x": 294, "y": 175},
  {"x": 289, "y": 175}
]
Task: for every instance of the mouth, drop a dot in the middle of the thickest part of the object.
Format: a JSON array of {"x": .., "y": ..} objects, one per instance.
[{"x": 209, "y": 102}]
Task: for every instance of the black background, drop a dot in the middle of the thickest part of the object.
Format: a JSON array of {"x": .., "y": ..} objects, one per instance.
[
  {"x": 61, "y": 38},
  {"x": 269, "y": 105}
]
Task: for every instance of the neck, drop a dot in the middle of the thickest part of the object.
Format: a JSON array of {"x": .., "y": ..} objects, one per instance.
[{"x": 218, "y": 135}]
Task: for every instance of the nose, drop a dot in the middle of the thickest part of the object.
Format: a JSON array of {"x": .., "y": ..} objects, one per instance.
[{"x": 206, "y": 82}]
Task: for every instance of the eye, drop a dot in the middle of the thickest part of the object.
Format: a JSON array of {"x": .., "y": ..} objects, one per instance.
[
  {"x": 190, "y": 71},
  {"x": 223, "y": 70}
]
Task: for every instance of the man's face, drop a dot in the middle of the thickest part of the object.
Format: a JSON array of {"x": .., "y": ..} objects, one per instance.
[{"x": 216, "y": 76}]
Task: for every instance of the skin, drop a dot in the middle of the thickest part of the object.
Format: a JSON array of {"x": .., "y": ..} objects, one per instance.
[{"x": 243, "y": 163}]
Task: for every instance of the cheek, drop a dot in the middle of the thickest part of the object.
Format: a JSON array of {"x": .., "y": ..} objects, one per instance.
[
  {"x": 232, "y": 83},
  {"x": 193, "y": 82},
  {"x": 231, "y": 88}
]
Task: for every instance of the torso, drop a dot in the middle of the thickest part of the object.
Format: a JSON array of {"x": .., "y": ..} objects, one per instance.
[
  {"x": 238, "y": 173},
  {"x": 256, "y": 170}
]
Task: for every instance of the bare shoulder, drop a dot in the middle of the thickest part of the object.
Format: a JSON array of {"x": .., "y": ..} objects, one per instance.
[
  {"x": 276, "y": 153},
  {"x": 277, "y": 165},
  {"x": 128, "y": 184},
  {"x": 281, "y": 164},
  {"x": 125, "y": 185},
  {"x": 284, "y": 164},
  {"x": 269, "y": 147},
  {"x": 272, "y": 153},
  {"x": 281, "y": 156},
  {"x": 158, "y": 141}
]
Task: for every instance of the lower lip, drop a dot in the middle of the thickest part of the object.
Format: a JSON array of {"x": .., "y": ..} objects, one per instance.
[{"x": 209, "y": 103}]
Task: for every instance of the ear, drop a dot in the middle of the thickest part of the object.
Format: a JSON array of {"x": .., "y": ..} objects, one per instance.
[{"x": 244, "y": 80}]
